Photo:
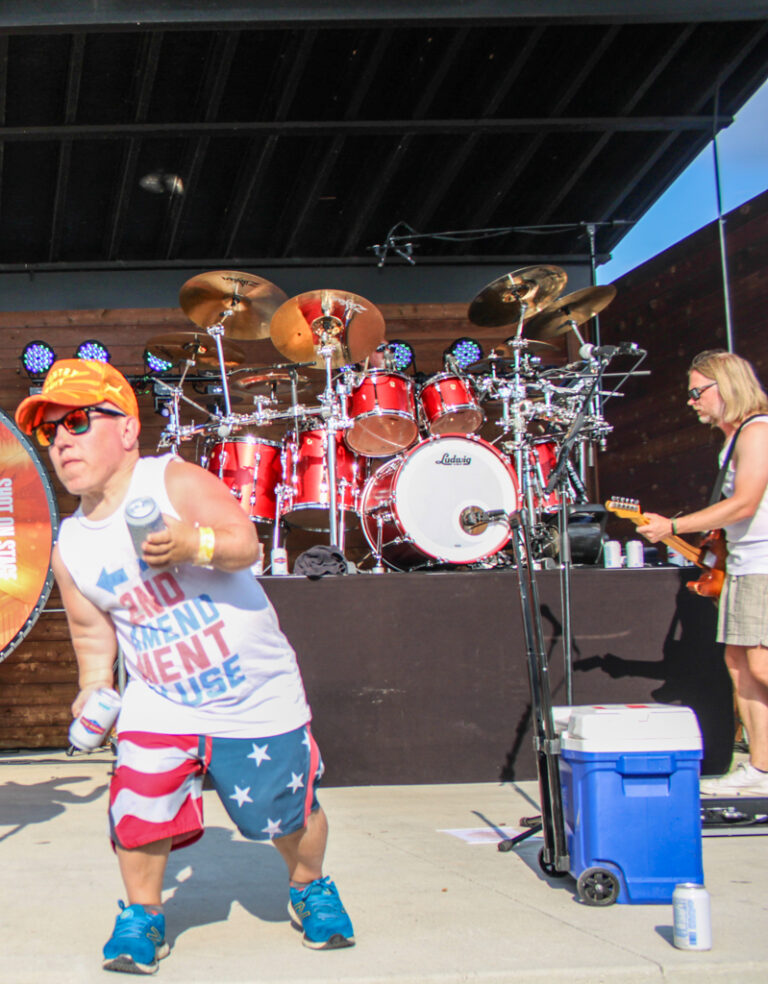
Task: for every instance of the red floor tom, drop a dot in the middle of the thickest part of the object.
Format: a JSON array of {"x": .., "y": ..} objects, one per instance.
[
  {"x": 449, "y": 405},
  {"x": 252, "y": 470},
  {"x": 543, "y": 459},
  {"x": 382, "y": 408},
  {"x": 412, "y": 506},
  {"x": 307, "y": 490}
]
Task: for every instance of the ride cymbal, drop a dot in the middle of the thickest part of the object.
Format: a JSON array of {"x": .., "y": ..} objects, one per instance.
[
  {"x": 525, "y": 291},
  {"x": 208, "y": 298},
  {"x": 350, "y": 324},
  {"x": 502, "y": 357},
  {"x": 577, "y": 308},
  {"x": 275, "y": 385},
  {"x": 197, "y": 347}
]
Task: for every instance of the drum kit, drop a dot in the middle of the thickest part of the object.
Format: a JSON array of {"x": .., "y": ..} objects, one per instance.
[{"x": 336, "y": 438}]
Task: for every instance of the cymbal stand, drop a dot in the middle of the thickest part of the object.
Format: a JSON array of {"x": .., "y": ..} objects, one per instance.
[
  {"x": 216, "y": 331},
  {"x": 327, "y": 327}
]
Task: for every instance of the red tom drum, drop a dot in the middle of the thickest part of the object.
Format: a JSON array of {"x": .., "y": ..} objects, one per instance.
[
  {"x": 383, "y": 412},
  {"x": 307, "y": 496},
  {"x": 449, "y": 405},
  {"x": 252, "y": 470}
]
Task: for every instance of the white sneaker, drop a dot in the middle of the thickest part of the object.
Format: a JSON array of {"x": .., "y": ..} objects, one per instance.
[{"x": 745, "y": 780}]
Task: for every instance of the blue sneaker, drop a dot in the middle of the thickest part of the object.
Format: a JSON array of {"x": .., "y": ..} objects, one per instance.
[
  {"x": 317, "y": 909},
  {"x": 137, "y": 942}
]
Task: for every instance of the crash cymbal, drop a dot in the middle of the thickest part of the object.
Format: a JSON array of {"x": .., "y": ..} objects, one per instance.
[
  {"x": 196, "y": 346},
  {"x": 502, "y": 357},
  {"x": 524, "y": 291},
  {"x": 353, "y": 326},
  {"x": 206, "y": 298},
  {"x": 577, "y": 308}
]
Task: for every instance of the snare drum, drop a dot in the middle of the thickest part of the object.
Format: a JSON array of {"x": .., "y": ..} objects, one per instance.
[
  {"x": 412, "y": 507},
  {"x": 449, "y": 405},
  {"x": 382, "y": 408},
  {"x": 307, "y": 490},
  {"x": 252, "y": 470}
]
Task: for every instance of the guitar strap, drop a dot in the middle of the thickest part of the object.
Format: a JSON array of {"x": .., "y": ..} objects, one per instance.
[{"x": 717, "y": 489}]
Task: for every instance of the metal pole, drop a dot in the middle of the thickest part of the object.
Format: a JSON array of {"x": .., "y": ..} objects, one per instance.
[{"x": 721, "y": 229}]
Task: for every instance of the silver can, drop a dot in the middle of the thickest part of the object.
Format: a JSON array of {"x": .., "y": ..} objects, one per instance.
[
  {"x": 143, "y": 517},
  {"x": 279, "y": 561},
  {"x": 691, "y": 918},
  {"x": 89, "y": 730},
  {"x": 634, "y": 553},
  {"x": 612, "y": 554}
]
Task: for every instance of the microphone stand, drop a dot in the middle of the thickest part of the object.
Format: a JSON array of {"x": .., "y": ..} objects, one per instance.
[{"x": 559, "y": 477}]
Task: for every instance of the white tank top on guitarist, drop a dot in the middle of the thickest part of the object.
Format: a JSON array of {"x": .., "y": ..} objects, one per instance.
[{"x": 747, "y": 539}]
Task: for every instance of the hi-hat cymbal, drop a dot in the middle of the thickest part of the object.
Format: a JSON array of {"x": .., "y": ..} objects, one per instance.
[
  {"x": 524, "y": 291},
  {"x": 196, "y": 346},
  {"x": 502, "y": 358},
  {"x": 276, "y": 385},
  {"x": 351, "y": 325},
  {"x": 577, "y": 308},
  {"x": 208, "y": 298}
]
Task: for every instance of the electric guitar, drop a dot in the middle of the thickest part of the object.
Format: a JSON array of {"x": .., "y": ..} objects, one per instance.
[{"x": 710, "y": 555}]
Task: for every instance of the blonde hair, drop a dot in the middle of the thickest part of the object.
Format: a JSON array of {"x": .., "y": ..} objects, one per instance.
[{"x": 737, "y": 383}]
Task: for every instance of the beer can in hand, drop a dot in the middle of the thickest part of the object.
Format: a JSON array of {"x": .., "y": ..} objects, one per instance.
[
  {"x": 96, "y": 720},
  {"x": 691, "y": 919},
  {"x": 143, "y": 517}
]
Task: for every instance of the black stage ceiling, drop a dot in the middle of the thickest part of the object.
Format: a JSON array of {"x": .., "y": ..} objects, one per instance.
[{"x": 303, "y": 133}]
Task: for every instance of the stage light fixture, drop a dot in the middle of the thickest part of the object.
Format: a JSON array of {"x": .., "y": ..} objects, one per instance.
[
  {"x": 466, "y": 351},
  {"x": 37, "y": 358},
  {"x": 155, "y": 364},
  {"x": 93, "y": 350},
  {"x": 402, "y": 354}
]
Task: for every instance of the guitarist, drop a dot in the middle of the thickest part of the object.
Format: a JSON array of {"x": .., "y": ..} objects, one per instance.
[{"x": 724, "y": 392}]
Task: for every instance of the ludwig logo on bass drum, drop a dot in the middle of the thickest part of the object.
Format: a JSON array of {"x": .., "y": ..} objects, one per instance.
[{"x": 454, "y": 459}]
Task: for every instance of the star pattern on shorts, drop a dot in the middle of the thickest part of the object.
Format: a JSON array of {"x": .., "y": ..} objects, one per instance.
[
  {"x": 259, "y": 754},
  {"x": 272, "y": 828},
  {"x": 296, "y": 783},
  {"x": 241, "y": 795}
]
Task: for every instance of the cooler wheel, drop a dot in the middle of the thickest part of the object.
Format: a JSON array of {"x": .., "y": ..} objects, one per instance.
[{"x": 596, "y": 886}]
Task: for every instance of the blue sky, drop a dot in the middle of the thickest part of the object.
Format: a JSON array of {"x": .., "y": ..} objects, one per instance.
[{"x": 691, "y": 202}]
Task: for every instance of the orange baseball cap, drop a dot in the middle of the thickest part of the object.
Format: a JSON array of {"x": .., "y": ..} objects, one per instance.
[{"x": 78, "y": 383}]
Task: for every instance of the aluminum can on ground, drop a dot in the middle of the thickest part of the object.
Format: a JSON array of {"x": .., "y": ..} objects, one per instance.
[
  {"x": 89, "y": 730},
  {"x": 691, "y": 922},
  {"x": 143, "y": 517}
]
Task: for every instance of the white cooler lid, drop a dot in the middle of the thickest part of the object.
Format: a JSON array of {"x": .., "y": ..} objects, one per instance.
[{"x": 630, "y": 728}]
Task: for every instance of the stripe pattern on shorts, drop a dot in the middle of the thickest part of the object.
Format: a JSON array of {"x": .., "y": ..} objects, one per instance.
[{"x": 156, "y": 790}]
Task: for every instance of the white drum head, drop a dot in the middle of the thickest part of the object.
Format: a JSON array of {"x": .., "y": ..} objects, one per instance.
[{"x": 439, "y": 479}]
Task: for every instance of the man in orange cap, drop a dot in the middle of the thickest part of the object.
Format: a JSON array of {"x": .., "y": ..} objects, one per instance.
[{"x": 214, "y": 686}]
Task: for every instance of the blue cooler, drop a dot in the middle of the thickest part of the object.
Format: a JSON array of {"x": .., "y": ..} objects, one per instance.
[{"x": 630, "y": 784}]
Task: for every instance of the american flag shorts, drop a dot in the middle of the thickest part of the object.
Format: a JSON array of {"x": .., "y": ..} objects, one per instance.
[{"x": 267, "y": 785}]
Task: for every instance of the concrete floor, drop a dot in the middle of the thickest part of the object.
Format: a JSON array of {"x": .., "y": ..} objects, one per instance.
[{"x": 426, "y": 905}]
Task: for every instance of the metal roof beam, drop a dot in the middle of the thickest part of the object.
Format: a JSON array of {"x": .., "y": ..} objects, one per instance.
[{"x": 70, "y": 15}]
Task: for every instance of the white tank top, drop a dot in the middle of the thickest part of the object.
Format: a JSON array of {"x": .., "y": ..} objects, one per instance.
[
  {"x": 748, "y": 538},
  {"x": 202, "y": 647}
]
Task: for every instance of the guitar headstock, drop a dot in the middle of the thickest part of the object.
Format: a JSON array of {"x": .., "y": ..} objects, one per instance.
[{"x": 624, "y": 507}]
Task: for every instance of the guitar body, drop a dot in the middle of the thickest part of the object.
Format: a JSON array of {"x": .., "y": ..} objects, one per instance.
[
  {"x": 710, "y": 584},
  {"x": 713, "y": 547}
]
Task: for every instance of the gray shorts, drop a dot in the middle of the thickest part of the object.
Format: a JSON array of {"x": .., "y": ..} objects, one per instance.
[{"x": 742, "y": 618}]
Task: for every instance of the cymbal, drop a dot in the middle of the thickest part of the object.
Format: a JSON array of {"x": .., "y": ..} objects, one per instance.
[
  {"x": 196, "y": 346},
  {"x": 576, "y": 308},
  {"x": 276, "y": 385},
  {"x": 207, "y": 297},
  {"x": 502, "y": 356},
  {"x": 525, "y": 291},
  {"x": 353, "y": 326}
]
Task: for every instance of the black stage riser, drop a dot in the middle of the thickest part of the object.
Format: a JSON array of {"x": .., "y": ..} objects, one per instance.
[{"x": 421, "y": 677}]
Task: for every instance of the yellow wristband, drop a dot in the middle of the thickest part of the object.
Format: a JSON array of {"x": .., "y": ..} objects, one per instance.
[{"x": 205, "y": 546}]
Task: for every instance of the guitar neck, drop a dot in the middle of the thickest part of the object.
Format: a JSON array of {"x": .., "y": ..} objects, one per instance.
[{"x": 677, "y": 543}]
